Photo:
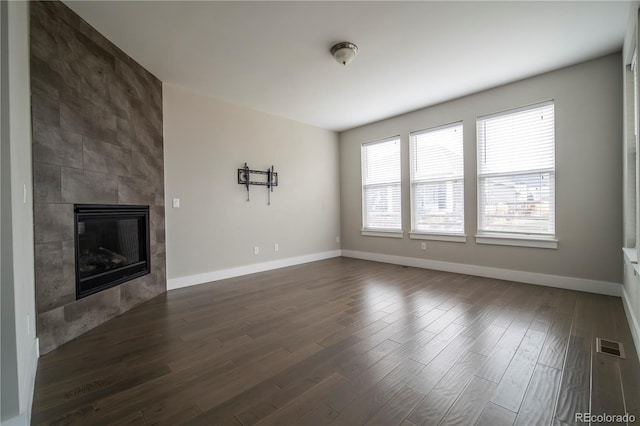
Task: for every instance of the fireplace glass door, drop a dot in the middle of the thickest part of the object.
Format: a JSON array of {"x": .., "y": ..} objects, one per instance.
[{"x": 112, "y": 246}]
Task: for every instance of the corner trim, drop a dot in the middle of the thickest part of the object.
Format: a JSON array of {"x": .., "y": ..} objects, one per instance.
[
  {"x": 35, "y": 354},
  {"x": 221, "y": 274},
  {"x": 558, "y": 281},
  {"x": 634, "y": 325}
]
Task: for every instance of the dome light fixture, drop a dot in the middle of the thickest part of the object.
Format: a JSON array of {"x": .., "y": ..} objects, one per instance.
[{"x": 344, "y": 52}]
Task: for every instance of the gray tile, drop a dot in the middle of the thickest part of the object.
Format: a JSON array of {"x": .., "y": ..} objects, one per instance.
[
  {"x": 158, "y": 250},
  {"x": 160, "y": 198},
  {"x": 150, "y": 167},
  {"x": 135, "y": 191},
  {"x": 52, "y": 145},
  {"x": 147, "y": 126},
  {"x": 145, "y": 138},
  {"x": 74, "y": 113},
  {"x": 98, "y": 61},
  {"x": 51, "y": 329},
  {"x": 44, "y": 109},
  {"x": 53, "y": 222},
  {"x": 132, "y": 82},
  {"x": 45, "y": 82},
  {"x": 157, "y": 223},
  {"x": 105, "y": 157},
  {"x": 140, "y": 290},
  {"x": 53, "y": 14},
  {"x": 46, "y": 183},
  {"x": 102, "y": 125},
  {"x": 91, "y": 311},
  {"x": 98, "y": 38},
  {"x": 64, "y": 63},
  {"x": 43, "y": 40},
  {"x": 119, "y": 102},
  {"x": 69, "y": 261},
  {"x": 87, "y": 113},
  {"x": 94, "y": 85},
  {"x": 55, "y": 282},
  {"x": 126, "y": 133},
  {"x": 85, "y": 187},
  {"x": 92, "y": 106}
]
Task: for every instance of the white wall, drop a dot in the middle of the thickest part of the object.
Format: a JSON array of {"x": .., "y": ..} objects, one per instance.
[
  {"x": 588, "y": 111},
  {"x": 215, "y": 228},
  {"x": 20, "y": 223},
  {"x": 631, "y": 173}
]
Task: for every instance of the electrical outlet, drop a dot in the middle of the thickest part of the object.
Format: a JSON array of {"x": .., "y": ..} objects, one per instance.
[
  {"x": 338, "y": 239},
  {"x": 176, "y": 203},
  {"x": 256, "y": 250},
  {"x": 276, "y": 247},
  {"x": 423, "y": 246}
]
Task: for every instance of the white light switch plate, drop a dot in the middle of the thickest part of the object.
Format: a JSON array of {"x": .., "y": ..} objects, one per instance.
[{"x": 176, "y": 203}]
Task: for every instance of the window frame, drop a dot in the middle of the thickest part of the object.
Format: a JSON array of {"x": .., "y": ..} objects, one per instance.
[
  {"x": 415, "y": 234},
  {"x": 521, "y": 239},
  {"x": 380, "y": 232}
]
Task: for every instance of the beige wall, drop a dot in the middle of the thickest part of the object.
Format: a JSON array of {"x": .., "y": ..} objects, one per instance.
[
  {"x": 215, "y": 228},
  {"x": 588, "y": 110}
]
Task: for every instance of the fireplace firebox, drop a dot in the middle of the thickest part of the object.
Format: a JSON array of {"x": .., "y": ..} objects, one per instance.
[{"x": 111, "y": 244}]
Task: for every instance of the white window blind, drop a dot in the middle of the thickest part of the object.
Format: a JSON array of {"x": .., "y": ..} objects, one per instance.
[
  {"x": 381, "y": 185},
  {"x": 516, "y": 172},
  {"x": 437, "y": 180}
]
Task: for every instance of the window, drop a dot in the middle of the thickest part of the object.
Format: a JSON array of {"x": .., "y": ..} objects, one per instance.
[
  {"x": 631, "y": 230},
  {"x": 516, "y": 176},
  {"x": 437, "y": 183},
  {"x": 381, "y": 188}
]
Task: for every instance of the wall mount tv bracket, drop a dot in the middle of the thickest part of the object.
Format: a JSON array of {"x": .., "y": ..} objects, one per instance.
[{"x": 244, "y": 178}]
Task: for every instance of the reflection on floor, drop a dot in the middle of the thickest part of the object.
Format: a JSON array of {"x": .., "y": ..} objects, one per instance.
[{"x": 346, "y": 341}]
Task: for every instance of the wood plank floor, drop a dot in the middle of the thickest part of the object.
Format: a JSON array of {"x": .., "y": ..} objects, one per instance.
[{"x": 346, "y": 342}]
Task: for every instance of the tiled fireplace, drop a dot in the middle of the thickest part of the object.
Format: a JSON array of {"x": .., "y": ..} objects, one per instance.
[
  {"x": 97, "y": 140},
  {"x": 111, "y": 246}
]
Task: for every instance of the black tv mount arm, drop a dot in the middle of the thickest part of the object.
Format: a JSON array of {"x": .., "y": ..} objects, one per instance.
[{"x": 244, "y": 178}]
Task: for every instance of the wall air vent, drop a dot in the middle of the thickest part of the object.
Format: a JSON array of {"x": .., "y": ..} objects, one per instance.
[{"x": 610, "y": 347}]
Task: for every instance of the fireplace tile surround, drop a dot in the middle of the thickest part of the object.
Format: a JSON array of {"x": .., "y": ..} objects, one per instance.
[{"x": 97, "y": 139}]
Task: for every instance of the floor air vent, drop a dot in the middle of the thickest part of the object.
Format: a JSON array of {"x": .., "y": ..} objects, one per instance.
[{"x": 610, "y": 347}]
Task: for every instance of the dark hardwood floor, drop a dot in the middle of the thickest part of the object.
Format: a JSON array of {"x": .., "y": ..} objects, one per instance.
[{"x": 346, "y": 342}]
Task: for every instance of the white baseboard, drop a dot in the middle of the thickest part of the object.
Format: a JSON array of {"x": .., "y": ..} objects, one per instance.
[
  {"x": 20, "y": 420},
  {"x": 180, "y": 282},
  {"x": 570, "y": 283},
  {"x": 634, "y": 325}
]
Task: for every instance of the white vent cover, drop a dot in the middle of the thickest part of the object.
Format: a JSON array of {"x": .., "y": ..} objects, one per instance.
[{"x": 610, "y": 347}]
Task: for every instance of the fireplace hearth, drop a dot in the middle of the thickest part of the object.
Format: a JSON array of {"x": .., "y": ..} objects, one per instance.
[{"x": 111, "y": 246}]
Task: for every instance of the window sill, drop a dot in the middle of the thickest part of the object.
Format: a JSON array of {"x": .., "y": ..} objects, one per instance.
[
  {"x": 631, "y": 254},
  {"x": 503, "y": 240},
  {"x": 455, "y": 238},
  {"x": 381, "y": 233}
]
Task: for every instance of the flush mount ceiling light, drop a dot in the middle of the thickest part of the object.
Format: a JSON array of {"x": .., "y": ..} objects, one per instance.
[{"x": 344, "y": 52}]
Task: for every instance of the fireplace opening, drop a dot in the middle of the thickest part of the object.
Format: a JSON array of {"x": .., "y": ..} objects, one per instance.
[{"x": 111, "y": 244}]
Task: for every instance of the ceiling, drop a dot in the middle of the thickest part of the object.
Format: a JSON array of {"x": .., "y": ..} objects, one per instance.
[{"x": 274, "y": 56}]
